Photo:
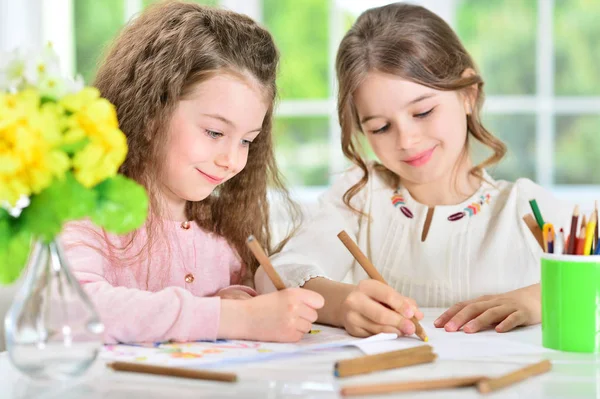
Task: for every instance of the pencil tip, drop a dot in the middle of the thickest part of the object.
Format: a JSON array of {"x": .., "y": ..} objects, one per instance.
[
  {"x": 250, "y": 238},
  {"x": 426, "y": 339}
]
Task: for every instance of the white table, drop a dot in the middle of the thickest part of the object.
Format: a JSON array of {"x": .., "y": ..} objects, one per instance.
[{"x": 310, "y": 376}]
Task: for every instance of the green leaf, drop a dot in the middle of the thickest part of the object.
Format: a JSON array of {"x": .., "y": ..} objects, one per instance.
[
  {"x": 64, "y": 200},
  {"x": 14, "y": 249},
  {"x": 72, "y": 148},
  {"x": 47, "y": 99},
  {"x": 122, "y": 205}
]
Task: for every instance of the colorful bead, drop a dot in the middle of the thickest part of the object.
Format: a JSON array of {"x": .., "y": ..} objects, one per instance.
[
  {"x": 471, "y": 210},
  {"x": 406, "y": 212},
  {"x": 456, "y": 216}
]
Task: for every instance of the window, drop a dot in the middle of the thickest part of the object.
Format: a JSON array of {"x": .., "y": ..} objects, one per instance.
[{"x": 538, "y": 57}]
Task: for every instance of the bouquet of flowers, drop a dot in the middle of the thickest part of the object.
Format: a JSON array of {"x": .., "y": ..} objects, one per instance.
[{"x": 60, "y": 150}]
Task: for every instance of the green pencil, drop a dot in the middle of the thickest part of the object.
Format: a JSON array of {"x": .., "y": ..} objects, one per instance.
[{"x": 536, "y": 212}]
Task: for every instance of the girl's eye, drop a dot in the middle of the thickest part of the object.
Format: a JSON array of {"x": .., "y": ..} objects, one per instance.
[
  {"x": 381, "y": 129},
  {"x": 213, "y": 134},
  {"x": 423, "y": 114},
  {"x": 246, "y": 143}
]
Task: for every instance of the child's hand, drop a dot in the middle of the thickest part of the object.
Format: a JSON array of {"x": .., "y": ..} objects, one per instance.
[
  {"x": 283, "y": 316},
  {"x": 516, "y": 308},
  {"x": 374, "y": 307},
  {"x": 233, "y": 293}
]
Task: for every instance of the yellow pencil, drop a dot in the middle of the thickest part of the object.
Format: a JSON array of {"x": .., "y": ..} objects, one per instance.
[
  {"x": 548, "y": 237},
  {"x": 589, "y": 234}
]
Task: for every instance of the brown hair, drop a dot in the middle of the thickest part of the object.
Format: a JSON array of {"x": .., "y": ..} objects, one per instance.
[
  {"x": 155, "y": 62},
  {"x": 411, "y": 42}
]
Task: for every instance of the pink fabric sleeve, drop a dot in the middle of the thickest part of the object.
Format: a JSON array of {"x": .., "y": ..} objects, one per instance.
[{"x": 135, "y": 315}]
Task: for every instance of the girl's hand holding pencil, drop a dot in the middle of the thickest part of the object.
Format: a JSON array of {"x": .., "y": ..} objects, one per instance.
[
  {"x": 374, "y": 307},
  {"x": 371, "y": 305},
  {"x": 282, "y": 316}
]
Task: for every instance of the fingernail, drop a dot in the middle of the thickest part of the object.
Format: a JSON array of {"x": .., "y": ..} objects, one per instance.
[
  {"x": 437, "y": 321},
  {"x": 449, "y": 326}
]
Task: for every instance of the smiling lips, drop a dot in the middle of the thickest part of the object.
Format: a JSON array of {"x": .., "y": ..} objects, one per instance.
[
  {"x": 212, "y": 179},
  {"x": 420, "y": 159}
]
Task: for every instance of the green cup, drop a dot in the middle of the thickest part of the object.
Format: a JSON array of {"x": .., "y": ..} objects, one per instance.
[{"x": 571, "y": 303}]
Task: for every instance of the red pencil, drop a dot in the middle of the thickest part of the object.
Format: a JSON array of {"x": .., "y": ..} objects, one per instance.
[
  {"x": 580, "y": 240},
  {"x": 573, "y": 232}
]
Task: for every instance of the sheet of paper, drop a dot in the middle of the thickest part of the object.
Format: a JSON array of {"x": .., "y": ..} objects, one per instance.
[
  {"x": 459, "y": 345},
  {"x": 213, "y": 353}
]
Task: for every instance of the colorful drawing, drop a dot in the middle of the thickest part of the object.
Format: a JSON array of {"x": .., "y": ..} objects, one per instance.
[{"x": 202, "y": 353}]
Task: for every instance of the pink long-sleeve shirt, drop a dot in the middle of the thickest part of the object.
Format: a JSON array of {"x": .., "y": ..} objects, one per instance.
[{"x": 148, "y": 299}]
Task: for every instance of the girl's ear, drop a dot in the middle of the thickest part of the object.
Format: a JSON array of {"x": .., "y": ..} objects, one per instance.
[{"x": 469, "y": 94}]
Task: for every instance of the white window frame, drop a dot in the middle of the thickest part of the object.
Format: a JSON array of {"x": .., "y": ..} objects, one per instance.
[{"x": 544, "y": 104}]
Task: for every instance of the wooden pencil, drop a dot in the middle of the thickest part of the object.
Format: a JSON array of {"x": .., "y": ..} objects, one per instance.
[
  {"x": 374, "y": 274},
  {"x": 411, "y": 386},
  {"x": 534, "y": 228},
  {"x": 536, "y": 212},
  {"x": 589, "y": 234},
  {"x": 383, "y": 361},
  {"x": 493, "y": 384},
  {"x": 559, "y": 243},
  {"x": 595, "y": 246},
  {"x": 548, "y": 235},
  {"x": 571, "y": 246},
  {"x": 580, "y": 241},
  {"x": 264, "y": 261},
  {"x": 172, "y": 371},
  {"x": 386, "y": 364}
]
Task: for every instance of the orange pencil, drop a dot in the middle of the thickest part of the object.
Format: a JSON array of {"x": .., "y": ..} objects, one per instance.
[{"x": 580, "y": 240}]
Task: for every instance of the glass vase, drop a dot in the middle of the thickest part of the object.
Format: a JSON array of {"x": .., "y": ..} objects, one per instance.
[{"x": 52, "y": 329}]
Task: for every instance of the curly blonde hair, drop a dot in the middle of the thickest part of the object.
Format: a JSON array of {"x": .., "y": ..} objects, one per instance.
[
  {"x": 413, "y": 43},
  {"x": 156, "y": 61}
]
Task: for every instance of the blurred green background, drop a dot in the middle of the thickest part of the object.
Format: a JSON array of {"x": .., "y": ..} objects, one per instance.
[{"x": 501, "y": 35}]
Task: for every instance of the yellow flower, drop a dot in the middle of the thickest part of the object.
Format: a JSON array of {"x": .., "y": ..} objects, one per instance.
[
  {"x": 29, "y": 138},
  {"x": 94, "y": 118}
]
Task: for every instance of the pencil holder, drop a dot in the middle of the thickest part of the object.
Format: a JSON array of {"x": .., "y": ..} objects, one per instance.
[{"x": 571, "y": 303}]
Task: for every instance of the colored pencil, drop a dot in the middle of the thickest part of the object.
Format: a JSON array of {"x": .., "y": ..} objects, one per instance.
[
  {"x": 573, "y": 231},
  {"x": 548, "y": 235},
  {"x": 173, "y": 371},
  {"x": 589, "y": 234},
  {"x": 534, "y": 228},
  {"x": 423, "y": 385},
  {"x": 493, "y": 384},
  {"x": 580, "y": 241},
  {"x": 374, "y": 274},
  {"x": 264, "y": 261},
  {"x": 559, "y": 243},
  {"x": 536, "y": 212},
  {"x": 595, "y": 244},
  {"x": 384, "y": 361}
]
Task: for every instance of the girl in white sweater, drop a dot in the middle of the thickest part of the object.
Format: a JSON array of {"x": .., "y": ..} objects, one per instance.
[{"x": 440, "y": 230}]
